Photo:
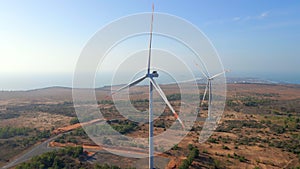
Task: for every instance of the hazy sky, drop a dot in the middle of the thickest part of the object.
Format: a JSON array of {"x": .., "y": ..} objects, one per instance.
[{"x": 252, "y": 37}]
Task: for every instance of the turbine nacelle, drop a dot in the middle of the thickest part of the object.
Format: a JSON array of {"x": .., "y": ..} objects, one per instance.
[{"x": 153, "y": 74}]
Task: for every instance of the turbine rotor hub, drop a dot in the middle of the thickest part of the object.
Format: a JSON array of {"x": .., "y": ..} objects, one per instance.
[{"x": 154, "y": 73}]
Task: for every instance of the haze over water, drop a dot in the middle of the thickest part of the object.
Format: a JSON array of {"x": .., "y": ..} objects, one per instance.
[{"x": 29, "y": 82}]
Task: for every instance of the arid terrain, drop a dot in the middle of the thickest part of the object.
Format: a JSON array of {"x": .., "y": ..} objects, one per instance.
[{"x": 260, "y": 128}]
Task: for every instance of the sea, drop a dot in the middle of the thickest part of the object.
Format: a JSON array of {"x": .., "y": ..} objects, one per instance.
[{"x": 36, "y": 81}]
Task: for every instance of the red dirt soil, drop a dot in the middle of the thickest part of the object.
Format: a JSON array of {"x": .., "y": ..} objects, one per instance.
[{"x": 73, "y": 127}]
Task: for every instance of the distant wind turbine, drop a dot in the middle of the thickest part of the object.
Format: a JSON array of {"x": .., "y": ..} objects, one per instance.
[{"x": 208, "y": 88}]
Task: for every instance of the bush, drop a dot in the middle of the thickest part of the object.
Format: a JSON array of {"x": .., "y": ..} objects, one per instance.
[
  {"x": 240, "y": 158},
  {"x": 125, "y": 126},
  {"x": 277, "y": 129},
  {"x": 213, "y": 140},
  {"x": 174, "y": 97},
  {"x": 190, "y": 147},
  {"x": 74, "y": 120},
  {"x": 225, "y": 147},
  {"x": 184, "y": 165},
  {"x": 175, "y": 147},
  {"x": 205, "y": 151},
  {"x": 194, "y": 152}
]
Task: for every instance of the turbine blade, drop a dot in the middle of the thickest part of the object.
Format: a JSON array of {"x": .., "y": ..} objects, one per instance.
[
  {"x": 205, "y": 91},
  {"x": 216, "y": 75},
  {"x": 164, "y": 97},
  {"x": 201, "y": 70},
  {"x": 150, "y": 43},
  {"x": 130, "y": 84}
]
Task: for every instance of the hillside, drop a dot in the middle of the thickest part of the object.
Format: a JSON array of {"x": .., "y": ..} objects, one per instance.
[{"x": 260, "y": 127}]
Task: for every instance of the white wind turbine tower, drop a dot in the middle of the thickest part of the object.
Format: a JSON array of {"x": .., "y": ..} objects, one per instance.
[
  {"x": 208, "y": 88},
  {"x": 152, "y": 83}
]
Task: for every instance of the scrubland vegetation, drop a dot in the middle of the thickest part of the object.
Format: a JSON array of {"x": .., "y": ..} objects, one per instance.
[{"x": 254, "y": 125}]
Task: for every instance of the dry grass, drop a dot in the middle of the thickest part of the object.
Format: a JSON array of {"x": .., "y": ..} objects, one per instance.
[{"x": 39, "y": 120}]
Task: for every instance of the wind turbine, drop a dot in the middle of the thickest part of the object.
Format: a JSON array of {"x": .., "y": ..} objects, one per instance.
[
  {"x": 152, "y": 83},
  {"x": 208, "y": 88}
]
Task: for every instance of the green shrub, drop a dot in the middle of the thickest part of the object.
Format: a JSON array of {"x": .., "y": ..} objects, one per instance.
[
  {"x": 175, "y": 147},
  {"x": 74, "y": 120},
  {"x": 194, "y": 152},
  {"x": 225, "y": 147}
]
